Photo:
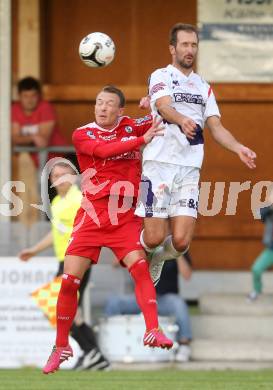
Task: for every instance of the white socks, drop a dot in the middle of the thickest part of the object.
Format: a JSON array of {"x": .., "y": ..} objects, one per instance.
[{"x": 167, "y": 251}]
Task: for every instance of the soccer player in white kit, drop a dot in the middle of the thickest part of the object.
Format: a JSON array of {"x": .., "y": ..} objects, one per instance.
[{"x": 171, "y": 164}]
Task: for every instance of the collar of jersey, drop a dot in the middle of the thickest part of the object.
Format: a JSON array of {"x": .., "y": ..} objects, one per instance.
[
  {"x": 120, "y": 119},
  {"x": 179, "y": 73}
]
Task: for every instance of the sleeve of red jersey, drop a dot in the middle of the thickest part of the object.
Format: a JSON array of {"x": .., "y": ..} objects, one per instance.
[
  {"x": 86, "y": 143},
  {"x": 142, "y": 125}
]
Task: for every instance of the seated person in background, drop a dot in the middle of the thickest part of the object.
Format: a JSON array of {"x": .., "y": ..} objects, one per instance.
[
  {"x": 265, "y": 260},
  {"x": 63, "y": 209},
  {"x": 33, "y": 119},
  {"x": 34, "y": 123},
  {"x": 170, "y": 303}
]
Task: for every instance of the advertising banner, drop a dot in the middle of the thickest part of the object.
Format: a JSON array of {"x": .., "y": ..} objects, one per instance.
[
  {"x": 26, "y": 335},
  {"x": 236, "y": 40}
]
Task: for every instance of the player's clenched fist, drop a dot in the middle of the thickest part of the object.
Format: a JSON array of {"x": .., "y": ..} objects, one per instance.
[
  {"x": 157, "y": 129},
  {"x": 188, "y": 126}
]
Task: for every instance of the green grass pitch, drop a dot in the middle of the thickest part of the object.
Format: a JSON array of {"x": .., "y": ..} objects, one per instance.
[{"x": 33, "y": 379}]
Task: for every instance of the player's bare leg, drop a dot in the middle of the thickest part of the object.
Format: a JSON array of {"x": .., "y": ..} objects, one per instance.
[
  {"x": 146, "y": 298},
  {"x": 182, "y": 230},
  {"x": 76, "y": 265},
  {"x": 175, "y": 244},
  {"x": 74, "y": 270},
  {"x": 151, "y": 238},
  {"x": 154, "y": 233}
]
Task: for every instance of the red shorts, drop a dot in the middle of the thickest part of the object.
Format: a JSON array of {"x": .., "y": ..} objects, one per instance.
[{"x": 88, "y": 238}]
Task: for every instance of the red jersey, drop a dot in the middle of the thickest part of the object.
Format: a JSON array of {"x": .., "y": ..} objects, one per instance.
[
  {"x": 44, "y": 112},
  {"x": 107, "y": 157}
]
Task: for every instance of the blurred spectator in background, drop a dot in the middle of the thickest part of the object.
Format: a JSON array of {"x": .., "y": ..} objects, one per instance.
[
  {"x": 265, "y": 260},
  {"x": 170, "y": 303},
  {"x": 34, "y": 123},
  {"x": 64, "y": 208}
]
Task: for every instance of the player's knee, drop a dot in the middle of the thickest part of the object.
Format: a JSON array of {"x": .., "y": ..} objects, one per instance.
[
  {"x": 180, "y": 243},
  {"x": 154, "y": 238}
]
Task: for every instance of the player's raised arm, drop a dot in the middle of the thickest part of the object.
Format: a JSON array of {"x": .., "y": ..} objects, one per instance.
[
  {"x": 161, "y": 92},
  {"x": 99, "y": 148},
  {"x": 229, "y": 142},
  {"x": 165, "y": 109}
]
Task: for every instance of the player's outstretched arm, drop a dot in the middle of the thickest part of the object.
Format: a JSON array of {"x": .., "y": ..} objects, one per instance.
[
  {"x": 43, "y": 244},
  {"x": 99, "y": 148},
  {"x": 229, "y": 142},
  {"x": 102, "y": 149},
  {"x": 164, "y": 107}
]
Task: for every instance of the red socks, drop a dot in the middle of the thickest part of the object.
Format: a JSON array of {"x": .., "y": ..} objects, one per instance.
[
  {"x": 145, "y": 293},
  {"x": 66, "y": 308},
  {"x": 68, "y": 300}
]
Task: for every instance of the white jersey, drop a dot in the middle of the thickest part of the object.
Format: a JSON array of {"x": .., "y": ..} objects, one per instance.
[{"x": 192, "y": 97}]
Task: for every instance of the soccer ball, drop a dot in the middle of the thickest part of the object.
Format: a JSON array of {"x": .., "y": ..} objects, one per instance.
[{"x": 97, "y": 50}]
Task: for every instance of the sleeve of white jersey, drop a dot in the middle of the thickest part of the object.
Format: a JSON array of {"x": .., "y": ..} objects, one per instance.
[
  {"x": 159, "y": 85},
  {"x": 211, "y": 106}
]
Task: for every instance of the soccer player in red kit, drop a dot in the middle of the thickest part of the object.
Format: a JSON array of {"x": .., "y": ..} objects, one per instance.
[{"x": 109, "y": 158}]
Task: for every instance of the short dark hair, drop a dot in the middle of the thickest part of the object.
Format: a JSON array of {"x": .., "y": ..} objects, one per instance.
[
  {"x": 28, "y": 84},
  {"x": 181, "y": 27},
  {"x": 116, "y": 91}
]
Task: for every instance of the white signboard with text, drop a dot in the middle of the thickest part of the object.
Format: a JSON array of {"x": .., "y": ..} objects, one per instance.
[
  {"x": 236, "y": 40},
  {"x": 26, "y": 336}
]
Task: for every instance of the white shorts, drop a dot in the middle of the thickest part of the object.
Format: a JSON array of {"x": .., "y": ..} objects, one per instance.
[{"x": 168, "y": 190}]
